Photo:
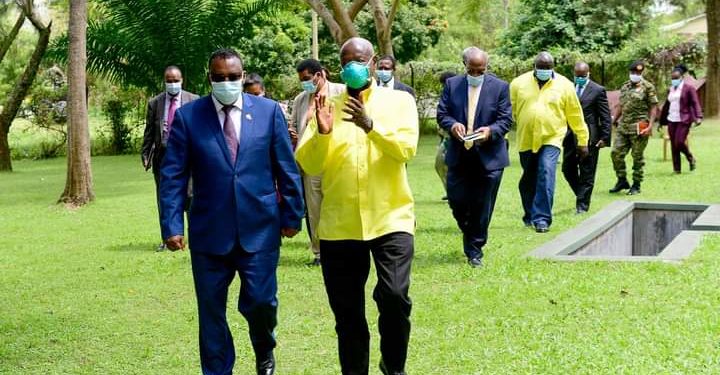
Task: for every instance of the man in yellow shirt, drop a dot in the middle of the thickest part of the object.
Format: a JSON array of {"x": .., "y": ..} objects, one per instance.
[
  {"x": 359, "y": 142},
  {"x": 544, "y": 104}
]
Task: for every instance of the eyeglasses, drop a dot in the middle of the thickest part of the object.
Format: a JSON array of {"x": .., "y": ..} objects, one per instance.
[{"x": 222, "y": 77}]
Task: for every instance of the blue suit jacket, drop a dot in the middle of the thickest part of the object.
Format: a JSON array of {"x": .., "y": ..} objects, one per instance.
[
  {"x": 493, "y": 110},
  {"x": 232, "y": 204}
]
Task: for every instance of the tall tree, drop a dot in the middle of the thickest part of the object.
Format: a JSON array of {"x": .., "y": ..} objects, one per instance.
[
  {"x": 22, "y": 86},
  {"x": 78, "y": 183},
  {"x": 339, "y": 19},
  {"x": 586, "y": 26},
  {"x": 712, "y": 84},
  {"x": 133, "y": 41}
]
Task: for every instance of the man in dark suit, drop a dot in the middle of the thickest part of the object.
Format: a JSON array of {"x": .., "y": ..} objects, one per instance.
[
  {"x": 476, "y": 103},
  {"x": 580, "y": 172},
  {"x": 385, "y": 73},
  {"x": 160, "y": 113},
  {"x": 237, "y": 149}
]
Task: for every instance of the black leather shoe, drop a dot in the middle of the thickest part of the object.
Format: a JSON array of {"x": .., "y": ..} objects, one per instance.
[
  {"x": 542, "y": 228},
  {"x": 266, "y": 365},
  {"x": 693, "y": 164},
  {"x": 385, "y": 371},
  {"x": 635, "y": 189},
  {"x": 315, "y": 263},
  {"x": 621, "y": 184},
  {"x": 474, "y": 263}
]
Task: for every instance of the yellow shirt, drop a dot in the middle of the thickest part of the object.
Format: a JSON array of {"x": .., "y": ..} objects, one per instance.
[
  {"x": 364, "y": 182},
  {"x": 543, "y": 115}
]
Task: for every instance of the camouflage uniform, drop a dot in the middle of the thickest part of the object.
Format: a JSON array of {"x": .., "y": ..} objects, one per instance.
[
  {"x": 636, "y": 102},
  {"x": 440, "y": 166}
]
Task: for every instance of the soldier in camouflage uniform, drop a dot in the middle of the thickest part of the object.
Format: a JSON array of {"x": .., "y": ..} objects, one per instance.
[
  {"x": 440, "y": 167},
  {"x": 638, "y": 102}
]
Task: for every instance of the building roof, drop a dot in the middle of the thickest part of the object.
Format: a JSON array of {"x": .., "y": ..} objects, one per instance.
[{"x": 689, "y": 26}]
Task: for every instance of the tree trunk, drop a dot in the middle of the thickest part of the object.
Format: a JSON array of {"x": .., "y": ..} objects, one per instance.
[
  {"x": 18, "y": 94},
  {"x": 78, "y": 183},
  {"x": 7, "y": 42},
  {"x": 506, "y": 11},
  {"x": 383, "y": 25},
  {"x": 5, "y": 160},
  {"x": 712, "y": 83}
]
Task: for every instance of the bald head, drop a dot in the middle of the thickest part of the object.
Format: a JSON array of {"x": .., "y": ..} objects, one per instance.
[
  {"x": 475, "y": 60},
  {"x": 582, "y": 69},
  {"x": 356, "y": 49},
  {"x": 544, "y": 60}
]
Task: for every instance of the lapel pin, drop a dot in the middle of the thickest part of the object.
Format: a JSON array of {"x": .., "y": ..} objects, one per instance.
[{"x": 247, "y": 116}]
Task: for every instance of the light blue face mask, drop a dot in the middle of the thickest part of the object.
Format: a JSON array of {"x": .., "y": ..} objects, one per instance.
[
  {"x": 309, "y": 86},
  {"x": 543, "y": 74},
  {"x": 227, "y": 92},
  {"x": 475, "y": 81},
  {"x": 676, "y": 82},
  {"x": 173, "y": 88},
  {"x": 384, "y": 75},
  {"x": 356, "y": 74}
]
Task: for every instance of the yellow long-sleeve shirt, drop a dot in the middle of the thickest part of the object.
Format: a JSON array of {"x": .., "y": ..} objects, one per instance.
[
  {"x": 543, "y": 115},
  {"x": 364, "y": 182}
]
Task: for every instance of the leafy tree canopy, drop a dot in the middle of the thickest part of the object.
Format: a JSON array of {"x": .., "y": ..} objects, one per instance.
[{"x": 582, "y": 25}]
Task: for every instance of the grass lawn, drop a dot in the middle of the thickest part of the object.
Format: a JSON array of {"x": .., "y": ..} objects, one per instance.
[{"x": 84, "y": 292}]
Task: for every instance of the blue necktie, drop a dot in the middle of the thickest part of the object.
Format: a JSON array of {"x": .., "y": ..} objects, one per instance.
[{"x": 579, "y": 90}]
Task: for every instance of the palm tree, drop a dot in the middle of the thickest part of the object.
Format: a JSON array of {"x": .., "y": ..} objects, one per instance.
[{"x": 132, "y": 41}]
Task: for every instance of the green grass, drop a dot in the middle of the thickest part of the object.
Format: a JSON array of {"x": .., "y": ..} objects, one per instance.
[{"x": 83, "y": 292}]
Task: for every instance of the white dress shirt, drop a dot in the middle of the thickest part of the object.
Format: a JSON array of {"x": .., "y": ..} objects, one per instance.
[
  {"x": 674, "y": 99},
  {"x": 390, "y": 84},
  {"x": 235, "y": 114}
]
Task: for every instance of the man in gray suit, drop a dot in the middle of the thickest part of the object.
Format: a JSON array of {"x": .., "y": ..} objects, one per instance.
[
  {"x": 314, "y": 83},
  {"x": 158, "y": 120}
]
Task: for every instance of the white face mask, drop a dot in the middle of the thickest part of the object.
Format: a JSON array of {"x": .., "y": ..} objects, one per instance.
[
  {"x": 173, "y": 88},
  {"x": 635, "y": 78},
  {"x": 227, "y": 92}
]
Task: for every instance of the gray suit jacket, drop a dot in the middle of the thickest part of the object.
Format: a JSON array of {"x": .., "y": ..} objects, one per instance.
[
  {"x": 301, "y": 103},
  {"x": 152, "y": 139}
]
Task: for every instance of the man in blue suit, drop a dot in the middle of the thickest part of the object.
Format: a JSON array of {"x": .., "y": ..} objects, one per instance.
[
  {"x": 475, "y": 104},
  {"x": 237, "y": 149}
]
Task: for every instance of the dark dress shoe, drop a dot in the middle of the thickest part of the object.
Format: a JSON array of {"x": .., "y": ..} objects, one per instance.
[
  {"x": 635, "y": 189},
  {"x": 315, "y": 263},
  {"x": 385, "y": 371},
  {"x": 542, "y": 228},
  {"x": 475, "y": 262},
  {"x": 580, "y": 211},
  {"x": 444, "y": 198},
  {"x": 266, "y": 365},
  {"x": 621, "y": 184},
  {"x": 693, "y": 164}
]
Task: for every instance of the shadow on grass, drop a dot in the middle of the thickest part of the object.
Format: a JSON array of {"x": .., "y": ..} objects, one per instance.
[{"x": 145, "y": 247}]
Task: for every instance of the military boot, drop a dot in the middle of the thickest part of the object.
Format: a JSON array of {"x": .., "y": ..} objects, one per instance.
[
  {"x": 635, "y": 189},
  {"x": 621, "y": 184}
]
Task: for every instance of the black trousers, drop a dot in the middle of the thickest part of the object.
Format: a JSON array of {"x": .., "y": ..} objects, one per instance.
[
  {"x": 580, "y": 174},
  {"x": 345, "y": 267},
  {"x": 472, "y": 192},
  {"x": 156, "y": 162}
]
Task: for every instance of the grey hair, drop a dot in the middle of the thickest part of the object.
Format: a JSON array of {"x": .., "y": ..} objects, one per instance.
[{"x": 472, "y": 51}]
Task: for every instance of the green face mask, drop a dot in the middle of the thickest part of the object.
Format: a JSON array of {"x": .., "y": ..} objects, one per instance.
[{"x": 356, "y": 74}]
